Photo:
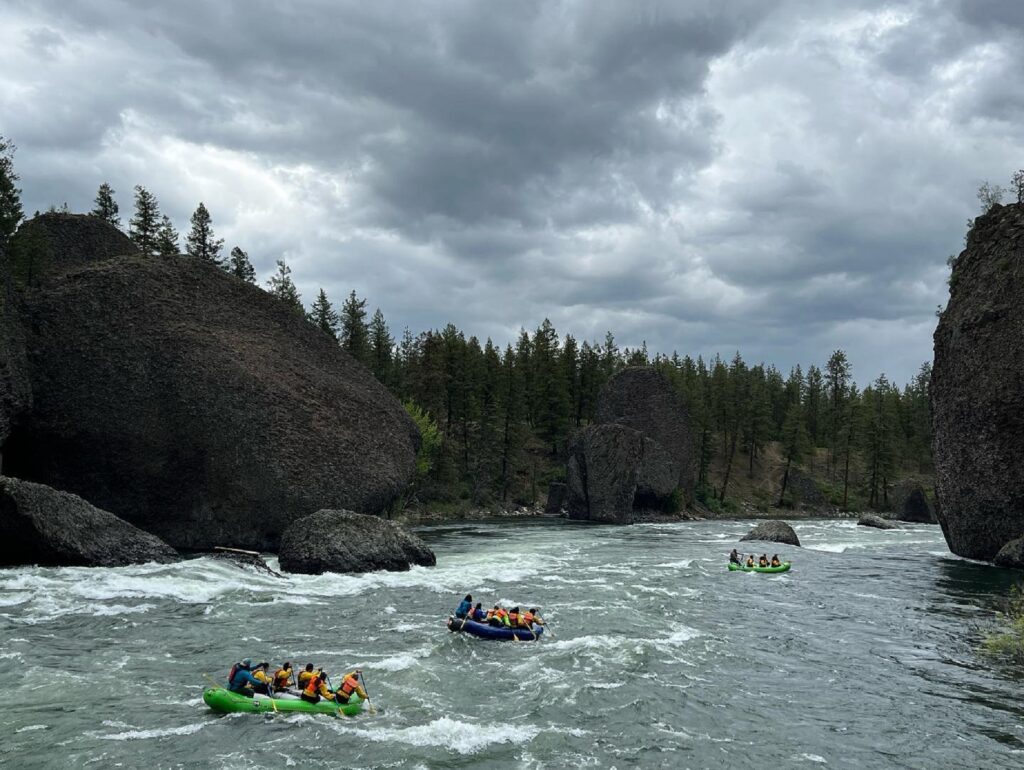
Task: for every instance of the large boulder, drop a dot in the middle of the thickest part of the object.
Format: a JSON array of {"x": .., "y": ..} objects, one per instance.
[
  {"x": 1011, "y": 554},
  {"x": 909, "y": 502},
  {"x": 773, "y": 532},
  {"x": 558, "y": 497},
  {"x": 976, "y": 390},
  {"x": 871, "y": 520},
  {"x": 15, "y": 391},
  {"x": 343, "y": 541},
  {"x": 44, "y": 526},
  {"x": 201, "y": 408},
  {"x": 615, "y": 474},
  {"x": 641, "y": 398},
  {"x": 54, "y": 243}
]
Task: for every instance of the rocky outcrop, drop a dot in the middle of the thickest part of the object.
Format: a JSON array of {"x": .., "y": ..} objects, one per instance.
[
  {"x": 804, "y": 492},
  {"x": 773, "y": 532},
  {"x": 615, "y": 474},
  {"x": 43, "y": 526},
  {"x": 199, "y": 407},
  {"x": 641, "y": 398},
  {"x": 871, "y": 520},
  {"x": 637, "y": 459},
  {"x": 909, "y": 502},
  {"x": 55, "y": 243},
  {"x": 558, "y": 496},
  {"x": 1011, "y": 554},
  {"x": 343, "y": 541},
  {"x": 976, "y": 390},
  {"x": 15, "y": 391}
]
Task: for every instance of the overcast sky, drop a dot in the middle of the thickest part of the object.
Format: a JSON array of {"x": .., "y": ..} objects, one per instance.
[{"x": 779, "y": 177}]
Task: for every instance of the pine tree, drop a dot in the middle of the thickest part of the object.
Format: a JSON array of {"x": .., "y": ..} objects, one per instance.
[
  {"x": 877, "y": 439},
  {"x": 322, "y": 315},
  {"x": 382, "y": 346},
  {"x": 200, "y": 242},
  {"x": 795, "y": 442},
  {"x": 167, "y": 238},
  {"x": 144, "y": 227},
  {"x": 10, "y": 195},
  {"x": 837, "y": 377},
  {"x": 240, "y": 266},
  {"x": 354, "y": 332},
  {"x": 550, "y": 389},
  {"x": 282, "y": 287},
  {"x": 106, "y": 207}
]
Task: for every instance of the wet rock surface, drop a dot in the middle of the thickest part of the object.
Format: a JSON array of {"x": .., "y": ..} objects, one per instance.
[{"x": 772, "y": 532}]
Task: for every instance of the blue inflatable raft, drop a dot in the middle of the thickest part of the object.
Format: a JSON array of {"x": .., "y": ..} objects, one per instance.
[{"x": 497, "y": 633}]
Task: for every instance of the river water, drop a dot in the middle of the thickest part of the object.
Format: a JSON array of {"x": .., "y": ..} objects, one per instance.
[{"x": 862, "y": 656}]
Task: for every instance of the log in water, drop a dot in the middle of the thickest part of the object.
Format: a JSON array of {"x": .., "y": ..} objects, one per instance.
[{"x": 861, "y": 656}]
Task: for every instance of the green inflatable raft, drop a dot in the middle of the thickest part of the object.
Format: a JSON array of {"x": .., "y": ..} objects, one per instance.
[
  {"x": 226, "y": 702},
  {"x": 784, "y": 567}
]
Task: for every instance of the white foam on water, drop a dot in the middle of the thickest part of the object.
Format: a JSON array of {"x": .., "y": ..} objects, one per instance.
[
  {"x": 811, "y": 758},
  {"x": 30, "y": 728},
  {"x": 679, "y": 636},
  {"x": 451, "y": 734},
  {"x": 135, "y": 735},
  {"x": 683, "y": 564},
  {"x": 121, "y": 609}
]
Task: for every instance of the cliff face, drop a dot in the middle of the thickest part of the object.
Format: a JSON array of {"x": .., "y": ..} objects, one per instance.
[
  {"x": 15, "y": 392},
  {"x": 977, "y": 390},
  {"x": 200, "y": 408}
]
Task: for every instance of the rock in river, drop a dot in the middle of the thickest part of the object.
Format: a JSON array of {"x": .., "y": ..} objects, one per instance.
[
  {"x": 871, "y": 520},
  {"x": 910, "y": 503},
  {"x": 343, "y": 541},
  {"x": 1011, "y": 554},
  {"x": 43, "y": 526},
  {"x": 199, "y": 407},
  {"x": 773, "y": 532},
  {"x": 977, "y": 396}
]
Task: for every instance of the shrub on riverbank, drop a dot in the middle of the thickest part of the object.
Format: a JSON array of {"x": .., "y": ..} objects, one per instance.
[{"x": 1006, "y": 641}]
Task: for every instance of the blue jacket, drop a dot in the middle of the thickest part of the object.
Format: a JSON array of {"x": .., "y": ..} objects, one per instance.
[
  {"x": 478, "y": 615},
  {"x": 464, "y": 609},
  {"x": 243, "y": 676}
]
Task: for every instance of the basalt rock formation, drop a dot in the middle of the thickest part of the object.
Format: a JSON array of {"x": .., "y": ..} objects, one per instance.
[
  {"x": 558, "y": 495},
  {"x": 55, "y": 243},
  {"x": 804, "y": 492},
  {"x": 909, "y": 502},
  {"x": 199, "y": 407},
  {"x": 638, "y": 457},
  {"x": 43, "y": 526},
  {"x": 343, "y": 541},
  {"x": 15, "y": 391},
  {"x": 977, "y": 390},
  {"x": 1011, "y": 554},
  {"x": 772, "y": 532}
]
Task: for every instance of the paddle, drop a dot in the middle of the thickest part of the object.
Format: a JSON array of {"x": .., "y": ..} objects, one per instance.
[
  {"x": 369, "y": 705},
  {"x": 214, "y": 682}
]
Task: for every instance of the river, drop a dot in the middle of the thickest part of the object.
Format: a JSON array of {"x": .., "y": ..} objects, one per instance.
[{"x": 864, "y": 655}]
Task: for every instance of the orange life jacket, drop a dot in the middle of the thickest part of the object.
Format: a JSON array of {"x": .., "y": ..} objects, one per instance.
[
  {"x": 282, "y": 678},
  {"x": 350, "y": 685},
  {"x": 528, "y": 617},
  {"x": 313, "y": 686}
]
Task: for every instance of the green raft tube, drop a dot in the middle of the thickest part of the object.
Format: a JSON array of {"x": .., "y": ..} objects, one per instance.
[
  {"x": 226, "y": 702},
  {"x": 784, "y": 567}
]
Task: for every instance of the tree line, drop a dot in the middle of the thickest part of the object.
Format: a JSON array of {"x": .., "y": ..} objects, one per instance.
[{"x": 497, "y": 421}]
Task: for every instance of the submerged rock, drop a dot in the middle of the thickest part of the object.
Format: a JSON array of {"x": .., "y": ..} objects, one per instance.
[
  {"x": 773, "y": 532},
  {"x": 245, "y": 560},
  {"x": 1011, "y": 554},
  {"x": 44, "y": 526},
  {"x": 871, "y": 520},
  {"x": 201, "y": 408},
  {"x": 909, "y": 502},
  {"x": 976, "y": 395},
  {"x": 343, "y": 541}
]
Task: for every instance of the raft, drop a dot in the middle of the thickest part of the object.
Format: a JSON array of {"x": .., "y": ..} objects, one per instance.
[
  {"x": 497, "y": 633},
  {"x": 733, "y": 567},
  {"x": 226, "y": 702}
]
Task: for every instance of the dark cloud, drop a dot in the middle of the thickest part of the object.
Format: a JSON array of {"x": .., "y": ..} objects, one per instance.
[{"x": 779, "y": 177}]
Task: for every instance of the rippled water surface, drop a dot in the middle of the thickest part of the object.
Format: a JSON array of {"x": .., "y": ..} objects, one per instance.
[{"x": 861, "y": 656}]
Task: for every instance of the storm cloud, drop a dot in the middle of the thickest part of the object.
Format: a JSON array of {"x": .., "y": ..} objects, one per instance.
[{"x": 779, "y": 178}]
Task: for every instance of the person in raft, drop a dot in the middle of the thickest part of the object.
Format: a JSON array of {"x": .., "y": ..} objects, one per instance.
[
  {"x": 734, "y": 557},
  {"x": 750, "y": 560},
  {"x": 242, "y": 681},
  {"x": 317, "y": 688},
  {"x": 763, "y": 561},
  {"x": 305, "y": 675},
  {"x": 530, "y": 617},
  {"x": 775, "y": 561},
  {"x": 465, "y": 607},
  {"x": 497, "y": 616},
  {"x": 350, "y": 684},
  {"x": 283, "y": 677}
]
